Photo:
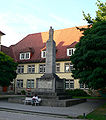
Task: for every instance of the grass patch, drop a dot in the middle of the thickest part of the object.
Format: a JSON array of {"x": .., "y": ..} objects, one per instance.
[
  {"x": 88, "y": 97},
  {"x": 97, "y": 114}
]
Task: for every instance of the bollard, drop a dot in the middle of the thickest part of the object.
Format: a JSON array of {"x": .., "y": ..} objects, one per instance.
[{"x": 84, "y": 115}]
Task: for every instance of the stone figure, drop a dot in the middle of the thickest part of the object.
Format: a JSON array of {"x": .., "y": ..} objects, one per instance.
[{"x": 51, "y": 32}]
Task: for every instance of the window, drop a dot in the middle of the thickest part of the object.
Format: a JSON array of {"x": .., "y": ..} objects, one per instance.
[
  {"x": 31, "y": 69},
  {"x": 42, "y": 68},
  {"x": 70, "y": 51},
  {"x": 68, "y": 67},
  {"x": 19, "y": 83},
  {"x": 25, "y": 56},
  {"x": 30, "y": 83},
  {"x": 43, "y": 54},
  {"x": 69, "y": 84},
  {"x": 58, "y": 67},
  {"x": 83, "y": 86},
  {"x": 20, "y": 69},
  {"x": 22, "y": 55}
]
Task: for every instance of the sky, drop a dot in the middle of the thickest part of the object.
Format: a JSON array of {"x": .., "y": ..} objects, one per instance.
[{"x": 18, "y": 18}]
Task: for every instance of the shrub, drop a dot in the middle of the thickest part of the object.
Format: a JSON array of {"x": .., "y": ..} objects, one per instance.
[
  {"x": 77, "y": 92},
  {"x": 23, "y": 92}
]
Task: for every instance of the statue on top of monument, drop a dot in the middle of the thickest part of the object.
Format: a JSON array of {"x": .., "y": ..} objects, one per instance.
[{"x": 51, "y": 31}]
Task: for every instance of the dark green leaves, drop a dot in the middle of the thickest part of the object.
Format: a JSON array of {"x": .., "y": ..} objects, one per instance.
[
  {"x": 89, "y": 59},
  {"x": 7, "y": 69}
]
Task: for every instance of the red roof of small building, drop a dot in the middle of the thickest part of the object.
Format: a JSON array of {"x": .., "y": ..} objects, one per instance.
[
  {"x": 7, "y": 50},
  {"x": 64, "y": 38}
]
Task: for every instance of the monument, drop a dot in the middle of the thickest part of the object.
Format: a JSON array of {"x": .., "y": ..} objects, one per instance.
[
  {"x": 50, "y": 83},
  {"x": 50, "y": 87}
]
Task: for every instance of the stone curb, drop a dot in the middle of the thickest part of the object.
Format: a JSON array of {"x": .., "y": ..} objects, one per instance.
[{"x": 32, "y": 112}]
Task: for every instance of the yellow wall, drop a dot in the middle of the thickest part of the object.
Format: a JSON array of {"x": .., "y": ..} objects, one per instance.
[{"x": 35, "y": 75}]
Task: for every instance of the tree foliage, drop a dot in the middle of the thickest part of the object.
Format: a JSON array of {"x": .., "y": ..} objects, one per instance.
[
  {"x": 7, "y": 69},
  {"x": 100, "y": 13},
  {"x": 89, "y": 59}
]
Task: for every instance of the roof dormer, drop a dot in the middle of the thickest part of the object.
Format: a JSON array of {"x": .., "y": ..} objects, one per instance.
[
  {"x": 70, "y": 51},
  {"x": 43, "y": 54},
  {"x": 26, "y": 53},
  {"x": 25, "y": 56}
]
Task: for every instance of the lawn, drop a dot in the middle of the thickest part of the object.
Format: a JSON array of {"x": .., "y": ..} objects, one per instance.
[
  {"x": 88, "y": 97},
  {"x": 97, "y": 114}
]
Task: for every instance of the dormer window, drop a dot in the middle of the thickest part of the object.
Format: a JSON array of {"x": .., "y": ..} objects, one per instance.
[
  {"x": 70, "y": 51},
  {"x": 43, "y": 54},
  {"x": 25, "y": 56}
]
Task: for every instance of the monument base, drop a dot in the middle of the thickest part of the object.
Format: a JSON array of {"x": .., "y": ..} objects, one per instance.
[
  {"x": 50, "y": 88},
  {"x": 49, "y": 83},
  {"x": 61, "y": 103}
]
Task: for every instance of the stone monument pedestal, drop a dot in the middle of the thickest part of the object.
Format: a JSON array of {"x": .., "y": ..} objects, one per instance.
[{"x": 50, "y": 84}]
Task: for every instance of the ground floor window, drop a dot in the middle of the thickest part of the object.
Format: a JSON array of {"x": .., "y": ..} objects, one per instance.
[
  {"x": 69, "y": 84},
  {"x": 19, "y": 83},
  {"x": 83, "y": 86},
  {"x": 30, "y": 83}
]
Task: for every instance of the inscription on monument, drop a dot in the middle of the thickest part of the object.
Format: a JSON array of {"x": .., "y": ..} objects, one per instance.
[{"x": 45, "y": 84}]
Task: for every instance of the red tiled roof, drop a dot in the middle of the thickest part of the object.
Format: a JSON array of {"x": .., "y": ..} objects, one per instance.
[
  {"x": 64, "y": 38},
  {"x": 6, "y": 50},
  {"x": 72, "y": 45}
]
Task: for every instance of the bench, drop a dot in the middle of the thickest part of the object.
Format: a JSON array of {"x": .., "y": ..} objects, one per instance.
[{"x": 28, "y": 100}]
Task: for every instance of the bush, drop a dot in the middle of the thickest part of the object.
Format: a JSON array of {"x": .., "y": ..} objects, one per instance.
[
  {"x": 23, "y": 92},
  {"x": 77, "y": 92}
]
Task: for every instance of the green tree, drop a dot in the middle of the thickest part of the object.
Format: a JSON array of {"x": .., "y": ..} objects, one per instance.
[
  {"x": 7, "y": 69},
  {"x": 100, "y": 13},
  {"x": 89, "y": 59}
]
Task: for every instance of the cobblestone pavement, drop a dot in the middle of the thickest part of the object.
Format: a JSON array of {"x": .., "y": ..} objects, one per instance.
[
  {"x": 47, "y": 111},
  {"x": 18, "y": 116}
]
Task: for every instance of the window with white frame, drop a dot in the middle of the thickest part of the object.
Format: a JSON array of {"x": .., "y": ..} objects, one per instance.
[
  {"x": 20, "y": 69},
  {"x": 31, "y": 69},
  {"x": 68, "y": 67},
  {"x": 25, "y": 56},
  {"x": 69, "y": 84},
  {"x": 70, "y": 51},
  {"x": 43, "y": 54},
  {"x": 30, "y": 83},
  {"x": 57, "y": 67},
  {"x": 19, "y": 83},
  {"x": 83, "y": 86},
  {"x": 42, "y": 68}
]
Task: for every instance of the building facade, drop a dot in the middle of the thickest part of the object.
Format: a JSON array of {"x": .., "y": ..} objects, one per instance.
[{"x": 30, "y": 53}]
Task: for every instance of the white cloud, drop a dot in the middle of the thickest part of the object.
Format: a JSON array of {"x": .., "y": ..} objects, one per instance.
[
  {"x": 11, "y": 36},
  {"x": 17, "y": 26}
]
